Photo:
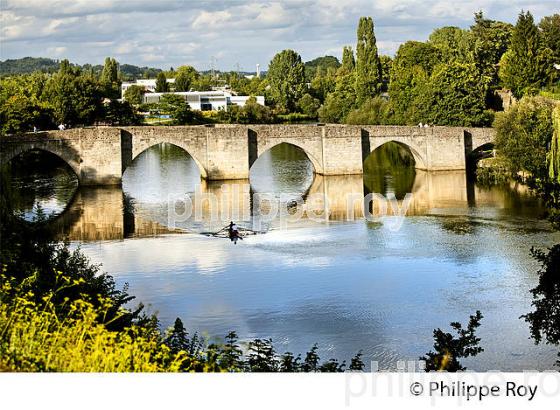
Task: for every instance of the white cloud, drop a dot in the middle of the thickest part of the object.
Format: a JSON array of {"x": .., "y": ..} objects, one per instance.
[{"x": 174, "y": 32}]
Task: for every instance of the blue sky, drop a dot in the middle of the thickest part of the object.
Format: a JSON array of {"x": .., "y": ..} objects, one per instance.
[{"x": 164, "y": 33}]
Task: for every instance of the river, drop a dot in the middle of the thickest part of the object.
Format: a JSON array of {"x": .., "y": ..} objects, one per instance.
[{"x": 336, "y": 279}]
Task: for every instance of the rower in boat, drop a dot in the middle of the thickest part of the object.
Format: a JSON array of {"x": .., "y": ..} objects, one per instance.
[{"x": 233, "y": 232}]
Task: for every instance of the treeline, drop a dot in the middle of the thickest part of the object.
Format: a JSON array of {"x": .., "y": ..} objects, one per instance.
[
  {"x": 28, "y": 65},
  {"x": 70, "y": 96},
  {"x": 448, "y": 80}
]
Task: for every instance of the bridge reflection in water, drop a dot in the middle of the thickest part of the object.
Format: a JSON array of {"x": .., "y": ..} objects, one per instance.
[{"x": 106, "y": 213}]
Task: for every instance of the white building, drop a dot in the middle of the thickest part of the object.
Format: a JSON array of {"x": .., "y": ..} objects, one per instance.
[
  {"x": 206, "y": 100},
  {"x": 149, "y": 85}
]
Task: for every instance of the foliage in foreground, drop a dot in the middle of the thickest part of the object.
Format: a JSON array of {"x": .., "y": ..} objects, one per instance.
[
  {"x": 448, "y": 349},
  {"x": 36, "y": 336},
  {"x": 544, "y": 321}
]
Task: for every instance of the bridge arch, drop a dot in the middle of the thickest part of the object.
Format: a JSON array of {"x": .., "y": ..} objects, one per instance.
[
  {"x": 415, "y": 151},
  {"x": 66, "y": 153},
  {"x": 137, "y": 153},
  {"x": 317, "y": 166}
]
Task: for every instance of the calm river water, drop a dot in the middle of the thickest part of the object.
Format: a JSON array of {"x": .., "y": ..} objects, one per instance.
[{"x": 378, "y": 286}]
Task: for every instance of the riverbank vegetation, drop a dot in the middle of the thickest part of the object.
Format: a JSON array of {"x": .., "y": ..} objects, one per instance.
[{"x": 451, "y": 79}]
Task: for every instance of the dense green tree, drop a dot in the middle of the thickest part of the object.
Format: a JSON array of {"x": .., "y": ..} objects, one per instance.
[
  {"x": 342, "y": 100},
  {"x": 109, "y": 78},
  {"x": 261, "y": 356},
  {"x": 121, "y": 113},
  {"x": 339, "y": 103},
  {"x": 75, "y": 98},
  {"x": 250, "y": 113},
  {"x": 20, "y": 113},
  {"x": 323, "y": 83},
  {"x": 231, "y": 358},
  {"x": 309, "y": 105},
  {"x": 448, "y": 349},
  {"x": 550, "y": 34},
  {"x": 161, "y": 83},
  {"x": 286, "y": 78},
  {"x": 203, "y": 83},
  {"x": 490, "y": 40},
  {"x": 554, "y": 153},
  {"x": 524, "y": 66},
  {"x": 453, "y": 42},
  {"x": 176, "y": 106},
  {"x": 386, "y": 64},
  {"x": 523, "y": 135},
  {"x": 348, "y": 61},
  {"x": 456, "y": 96},
  {"x": 410, "y": 72},
  {"x": 185, "y": 78},
  {"x": 373, "y": 112},
  {"x": 368, "y": 66},
  {"x": 134, "y": 94},
  {"x": 320, "y": 63},
  {"x": 110, "y": 71}
]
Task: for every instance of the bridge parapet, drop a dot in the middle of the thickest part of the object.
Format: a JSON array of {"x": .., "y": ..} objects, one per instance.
[{"x": 100, "y": 155}]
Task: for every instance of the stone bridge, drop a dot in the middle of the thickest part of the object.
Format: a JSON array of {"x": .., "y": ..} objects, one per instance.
[{"x": 99, "y": 156}]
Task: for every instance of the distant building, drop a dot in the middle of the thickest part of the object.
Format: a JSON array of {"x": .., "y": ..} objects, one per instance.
[
  {"x": 217, "y": 99},
  {"x": 149, "y": 85},
  {"x": 206, "y": 100}
]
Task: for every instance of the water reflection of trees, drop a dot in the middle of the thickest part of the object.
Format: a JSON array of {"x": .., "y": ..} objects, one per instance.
[
  {"x": 41, "y": 179},
  {"x": 544, "y": 320},
  {"x": 390, "y": 169}
]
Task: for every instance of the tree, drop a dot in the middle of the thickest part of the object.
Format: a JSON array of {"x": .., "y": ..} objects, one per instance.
[
  {"x": 523, "y": 134},
  {"x": 323, "y": 83},
  {"x": 121, "y": 113},
  {"x": 134, "y": 94},
  {"x": 410, "y": 72},
  {"x": 386, "y": 64},
  {"x": 340, "y": 102},
  {"x": 490, "y": 40},
  {"x": 109, "y": 78},
  {"x": 456, "y": 95},
  {"x": 185, "y": 78},
  {"x": 261, "y": 356},
  {"x": 373, "y": 112},
  {"x": 343, "y": 99},
  {"x": 448, "y": 349},
  {"x": 453, "y": 42},
  {"x": 550, "y": 34},
  {"x": 544, "y": 321},
  {"x": 348, "y": 62},
  {"x": 524, "y": 66},
  {"x": 549, "y": 28},
  {"x": 320, "y": 63},
  {"x": 309, "y": 105},
  {"x": 110, "y": 71},
  {"x": 286, "y": 78},
  {"x": 75, "y": 98},
  {"x": 176, "y": 106},
  {"x": 20, "y": 113},
  {"x": 161, "y": 83},
  {"x": 554, "y": 154},
  {"x": 231, "y": 358},
  {"x": 368, "y": 66}
]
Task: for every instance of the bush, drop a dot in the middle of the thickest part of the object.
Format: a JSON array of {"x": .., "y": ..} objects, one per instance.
[
  {"x": 523, "y": 134},
  {"x": 374, "y": 111}
]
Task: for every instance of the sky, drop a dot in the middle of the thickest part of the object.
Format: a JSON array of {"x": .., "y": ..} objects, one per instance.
[{"x": 228, "y": 34}]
